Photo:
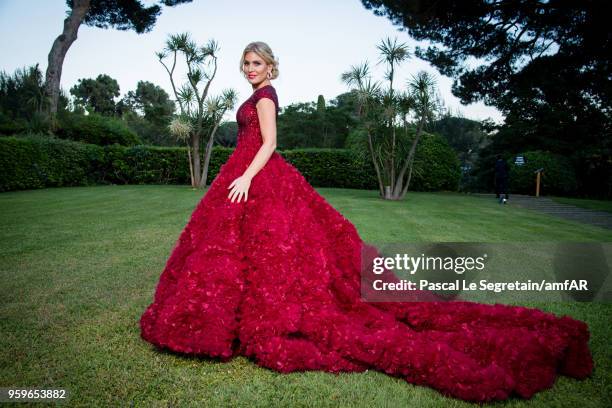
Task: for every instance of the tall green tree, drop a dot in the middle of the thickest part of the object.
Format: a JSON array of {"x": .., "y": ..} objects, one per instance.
[
  {"x": 22, "y": 101},
  {"x": 148, "y": 111},
  {"x": 118, "y": 14},
  {"x": 150, "y": 101},
  {"x": 310, "y": 124},
  {"x": 322, "y": 120},
  {"x": 96, "y": 95},
  {"x": 465, "y": 136}
]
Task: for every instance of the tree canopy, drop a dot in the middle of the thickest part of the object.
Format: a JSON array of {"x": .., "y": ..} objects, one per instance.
[
  {"x": 509, "y": 36},
  {"x": 124, "y": 14},
  {"x": 96, "y": 95},
  {"x": 545, "y": 64}
]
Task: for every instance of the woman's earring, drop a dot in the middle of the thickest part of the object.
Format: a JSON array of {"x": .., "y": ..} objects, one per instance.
[{"x": 269, "y": 75}]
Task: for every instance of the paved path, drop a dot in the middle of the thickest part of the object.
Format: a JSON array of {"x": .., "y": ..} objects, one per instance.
[{"x": 566, "y": 211}]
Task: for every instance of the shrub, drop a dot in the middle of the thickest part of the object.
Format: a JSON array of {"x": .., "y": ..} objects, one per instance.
[
  {"x": 96, "y": 129},
  {"x": 28, "y": 161},
  {"x": 436, "y": 166}
]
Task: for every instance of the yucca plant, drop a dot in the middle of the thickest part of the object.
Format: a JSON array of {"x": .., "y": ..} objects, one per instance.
[
  {"x": 180, "y": 127},
  {"x": 201, "y": 112},
  {"x": 380, "y": 111}
]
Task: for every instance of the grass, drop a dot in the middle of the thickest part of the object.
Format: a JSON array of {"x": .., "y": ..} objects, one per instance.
[
  {"x": 79, "y": 266},
  {"x": 599, "y": 205}
]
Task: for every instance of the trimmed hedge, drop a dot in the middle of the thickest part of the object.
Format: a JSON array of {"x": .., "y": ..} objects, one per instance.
[
  {"x": 39, "y": 161},
  {"x": 28, "y": 162},
  {"x": 325, "y": 167}
]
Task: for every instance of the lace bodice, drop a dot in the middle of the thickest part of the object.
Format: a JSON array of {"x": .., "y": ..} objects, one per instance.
[{"x": 249, "y": 132}]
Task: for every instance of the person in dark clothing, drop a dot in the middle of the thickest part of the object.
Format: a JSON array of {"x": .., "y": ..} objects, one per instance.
[{"x": 501, "y": 179}]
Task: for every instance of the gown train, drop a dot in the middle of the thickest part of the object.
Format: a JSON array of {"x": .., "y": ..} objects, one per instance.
[{"x": 277, "y": 279}]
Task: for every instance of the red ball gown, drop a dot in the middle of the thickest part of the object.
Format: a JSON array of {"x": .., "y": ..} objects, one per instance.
[{"x": 277, "y": 279}]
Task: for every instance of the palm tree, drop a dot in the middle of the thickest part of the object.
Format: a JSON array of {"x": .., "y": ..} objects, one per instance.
[
  {"x": 215, "y": 110},
  {"x": 203, "y": 114},
  {"x": 426, "y": 104},
  {"x": 392, "y": 54},
  {"x": 368, "y": 94},
  {"x": 379, "y": 110}
]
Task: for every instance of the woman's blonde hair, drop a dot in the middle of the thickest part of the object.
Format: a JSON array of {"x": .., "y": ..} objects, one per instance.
[{"x": 265, "y": 52}]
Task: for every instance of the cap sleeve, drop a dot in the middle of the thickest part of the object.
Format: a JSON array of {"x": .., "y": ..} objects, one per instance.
[{"x": 267, "y": 92}]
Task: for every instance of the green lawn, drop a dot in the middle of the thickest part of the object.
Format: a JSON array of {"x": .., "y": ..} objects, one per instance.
[
  {"x": 79, "y": 266},
  {"x": 599, "y": 205}
]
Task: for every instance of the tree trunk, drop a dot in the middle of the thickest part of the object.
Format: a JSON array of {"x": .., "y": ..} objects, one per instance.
[
  {"x": 393, "y": 158},
  {"x": 378, "y": 176},
  {"x": 59, "y": 49},
  {"x": 195, "y": 143},
  {"x": 208, "y": 153},
  {"x": 190, "y": 165},
  {"x": 405, "y": 190},
  {"x": 399, "y": 191}
]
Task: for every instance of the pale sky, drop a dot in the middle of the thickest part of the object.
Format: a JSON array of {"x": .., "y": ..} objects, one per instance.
[{"x": 314, "y": 41}]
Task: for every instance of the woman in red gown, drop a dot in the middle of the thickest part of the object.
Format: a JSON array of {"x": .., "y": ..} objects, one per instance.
[{"x": 267, "y": 268}]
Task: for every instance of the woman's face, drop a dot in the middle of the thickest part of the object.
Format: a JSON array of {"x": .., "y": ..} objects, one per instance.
[{"x": 255, "y": 68}]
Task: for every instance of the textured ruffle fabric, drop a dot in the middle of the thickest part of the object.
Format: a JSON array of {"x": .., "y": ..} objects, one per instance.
[{"x": 277, "y": 279}]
